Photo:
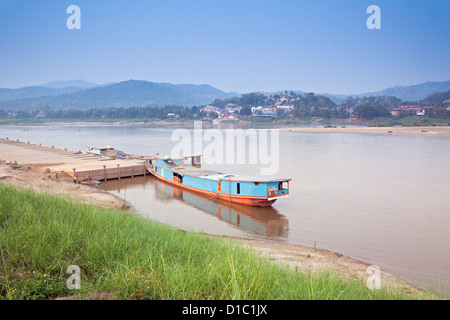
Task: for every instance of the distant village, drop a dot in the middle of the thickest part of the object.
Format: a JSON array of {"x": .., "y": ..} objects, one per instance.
[
  {"x": 232, "y": 111},
  {"x": 416, "y": 110},
  {"x": 284, "y": 105}
]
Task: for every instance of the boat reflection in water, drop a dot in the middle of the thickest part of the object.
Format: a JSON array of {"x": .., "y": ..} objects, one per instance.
[
  {"x": 264, "y": 221},
  {"x": 260, "y": 221}
]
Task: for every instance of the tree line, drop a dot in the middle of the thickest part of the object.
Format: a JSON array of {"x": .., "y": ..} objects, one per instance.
[
  {"x": 304, "y": 105},
  {"x": 131, "y": 113}
]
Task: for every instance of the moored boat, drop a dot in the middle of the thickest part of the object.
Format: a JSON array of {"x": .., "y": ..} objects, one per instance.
[{"x": 186, "y": 172}]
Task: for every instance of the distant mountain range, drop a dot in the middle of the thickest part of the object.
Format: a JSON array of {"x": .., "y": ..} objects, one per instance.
[
  {"x": 34, "y": 92},
  {"x": 49, "y": 89},
  {"x": 123, "y": 94},
  {"x": 80, "y": 94},
  {"x": 415, "y": 92}
]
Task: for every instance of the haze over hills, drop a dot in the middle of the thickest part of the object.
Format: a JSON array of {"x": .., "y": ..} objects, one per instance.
[
  {"x": 34, "y": 92},
  {"x": 70, "y": 84},
  {"x": 53, "y": 88},
  {"x": 123, "y": 94},
  {"x": 82, "y": 94},
  {"x": 413, "y": 92}
]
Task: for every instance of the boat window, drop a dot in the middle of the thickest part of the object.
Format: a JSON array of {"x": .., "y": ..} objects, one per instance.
[
  {"x": 238, "y": 188},
  {"x": 283, "y": 185}
]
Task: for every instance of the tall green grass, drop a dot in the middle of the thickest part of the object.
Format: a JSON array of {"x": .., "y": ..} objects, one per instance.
[{"x": 127, "y": 257}]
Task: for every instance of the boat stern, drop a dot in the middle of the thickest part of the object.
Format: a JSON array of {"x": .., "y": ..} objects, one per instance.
[{"x": 278, "y": 189}]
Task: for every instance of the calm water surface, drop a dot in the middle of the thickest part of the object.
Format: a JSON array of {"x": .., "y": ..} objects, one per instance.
[{"x": 383, "y": 199}]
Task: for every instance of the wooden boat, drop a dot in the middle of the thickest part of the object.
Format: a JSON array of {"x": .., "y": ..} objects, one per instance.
[
  {"x": 265, "y": 221},
  {"x": 186, "y": 172}
]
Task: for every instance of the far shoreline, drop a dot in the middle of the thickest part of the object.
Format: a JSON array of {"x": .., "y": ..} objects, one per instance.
[
  {"x": 424, "y": 130},
  {"x": 311, "y": 127}
]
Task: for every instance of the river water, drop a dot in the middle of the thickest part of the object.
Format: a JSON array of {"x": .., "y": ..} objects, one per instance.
[{"x": 383, "y": 199}]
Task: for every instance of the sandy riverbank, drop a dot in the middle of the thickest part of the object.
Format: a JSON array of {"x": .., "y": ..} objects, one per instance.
[
  {"x": 38, "y": 178},
  {"x": 444, "y": 130}
]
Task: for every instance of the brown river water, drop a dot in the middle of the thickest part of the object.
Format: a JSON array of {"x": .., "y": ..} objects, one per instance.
[{"x": 383, "y": 199}]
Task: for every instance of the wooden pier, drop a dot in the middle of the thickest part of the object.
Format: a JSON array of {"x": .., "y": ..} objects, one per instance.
[
  {"x": 75, "y": 164},
  {"x": 105, "y": 170}
]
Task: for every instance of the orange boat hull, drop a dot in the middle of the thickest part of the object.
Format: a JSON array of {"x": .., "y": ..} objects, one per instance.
[{"x": 246, "y": 200}]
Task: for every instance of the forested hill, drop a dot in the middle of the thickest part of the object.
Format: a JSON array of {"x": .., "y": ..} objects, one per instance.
[
  {"x": 414, "y": 92},
  {"x": 34, "y": 92},
  {"x": 124, "y": 94}
]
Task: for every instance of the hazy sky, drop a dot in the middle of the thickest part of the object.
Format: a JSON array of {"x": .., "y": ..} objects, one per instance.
[{"x": 234, "y": 45}]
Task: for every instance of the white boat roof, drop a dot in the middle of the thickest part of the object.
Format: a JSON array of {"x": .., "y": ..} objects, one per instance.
[{"x": 190, "y": 170}]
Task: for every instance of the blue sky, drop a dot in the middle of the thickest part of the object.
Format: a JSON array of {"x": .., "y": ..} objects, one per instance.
[{"x": 245, "y": 45}]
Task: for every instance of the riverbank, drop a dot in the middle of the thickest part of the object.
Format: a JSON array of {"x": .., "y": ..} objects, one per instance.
[
  {"x": 413, "y": 121},
  {"x": 313, "y": 260},
  {"x": 122, "y": 256},
  {"x": 38, "y": 178}
]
